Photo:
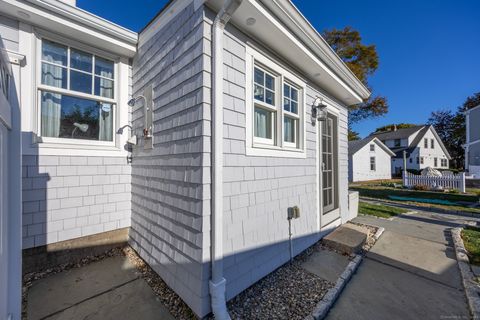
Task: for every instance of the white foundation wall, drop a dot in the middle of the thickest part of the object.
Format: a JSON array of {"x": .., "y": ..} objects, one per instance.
[{"x": 258, "y": 190}]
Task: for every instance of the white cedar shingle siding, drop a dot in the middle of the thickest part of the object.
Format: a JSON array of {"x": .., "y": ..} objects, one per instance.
[
  {"x": 78, "y": 196},
  {"x": 171, "y": 182},
  {"x": 258, "y": 190}
]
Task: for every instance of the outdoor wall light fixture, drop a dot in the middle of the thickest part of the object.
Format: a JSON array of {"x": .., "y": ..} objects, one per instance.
[{"x": 319, "y": 109}]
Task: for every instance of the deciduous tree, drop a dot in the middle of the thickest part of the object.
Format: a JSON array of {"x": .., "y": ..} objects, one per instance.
[
  {"x": 363, "y": 61},
  {"x": 391, "y": 127}
]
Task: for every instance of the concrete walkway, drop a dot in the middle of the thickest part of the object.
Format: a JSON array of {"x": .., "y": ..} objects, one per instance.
[
  {"x": 410, "y": 273},
  {"x": 108, "y": 289}
]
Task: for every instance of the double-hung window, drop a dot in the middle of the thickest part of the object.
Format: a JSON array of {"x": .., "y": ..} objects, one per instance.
[
  {"x": 425, "y": 143},
  {"x": 76, "y": 94},
  {"x": 264, "y": 92},
  {"x": 275, "y": 109},
  {"x": 432, "y": 143},
  {"x": 372, "y": 147},
  {"x": 290, "y": 115},
  {"x": 373, "y": 165}
]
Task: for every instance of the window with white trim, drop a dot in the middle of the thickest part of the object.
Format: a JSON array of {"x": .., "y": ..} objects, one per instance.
[
  {"x": 275, "y": 111},
  {"x": 444, "y": 162},
  {"x": 265, "y": 110},
  {"x": 372, "y": 147},
  {"x": 290, "y": 115},
  {"x": 373, "y": 165},
  {"x": 76, "y": 94}
]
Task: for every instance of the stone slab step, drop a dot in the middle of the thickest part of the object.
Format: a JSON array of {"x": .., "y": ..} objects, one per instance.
[{"x": 347, "y": 238}]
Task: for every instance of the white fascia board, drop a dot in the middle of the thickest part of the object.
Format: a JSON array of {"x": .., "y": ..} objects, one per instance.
[
  {"x": 73, "y": 22},
  {"x": 291, "y": 16},
  {"x": 440, "y": 142}
]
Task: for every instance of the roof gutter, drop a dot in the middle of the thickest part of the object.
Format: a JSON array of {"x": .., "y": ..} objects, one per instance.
[{"x": 218, "y": 282}]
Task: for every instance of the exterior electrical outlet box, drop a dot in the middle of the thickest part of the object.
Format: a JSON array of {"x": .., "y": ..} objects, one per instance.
[{"x": 293, "y": 213}]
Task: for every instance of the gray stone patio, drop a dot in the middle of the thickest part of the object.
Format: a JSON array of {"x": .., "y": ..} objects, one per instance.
[{"x": 108, "y": 289}]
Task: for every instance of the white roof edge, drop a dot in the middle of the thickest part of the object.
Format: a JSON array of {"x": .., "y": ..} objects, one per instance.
[
  {"x": 383, "y": 146},
  {"x": 449, "y": 157},
  {"x": 88, "y": 19},
  {"x": 316, "y": 40}
]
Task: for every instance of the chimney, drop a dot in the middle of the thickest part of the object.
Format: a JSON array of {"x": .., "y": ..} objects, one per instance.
[{"x": 72, "y": 3}]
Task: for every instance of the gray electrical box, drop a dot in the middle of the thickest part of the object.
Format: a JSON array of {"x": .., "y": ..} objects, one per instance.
[{"x": 293, "y": 212}]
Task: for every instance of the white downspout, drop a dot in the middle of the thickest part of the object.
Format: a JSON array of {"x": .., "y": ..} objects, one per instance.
[{"x": 217, "y": 281}]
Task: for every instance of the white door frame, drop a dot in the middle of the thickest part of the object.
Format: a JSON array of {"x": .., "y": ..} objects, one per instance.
[{"x": 327, "y": 218}]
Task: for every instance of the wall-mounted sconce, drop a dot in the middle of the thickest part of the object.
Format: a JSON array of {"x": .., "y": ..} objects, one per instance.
[{"x": 319, "y": 109}]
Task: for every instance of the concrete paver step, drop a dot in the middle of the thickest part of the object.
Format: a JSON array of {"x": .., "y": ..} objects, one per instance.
[{"x": 346, "y": 239}]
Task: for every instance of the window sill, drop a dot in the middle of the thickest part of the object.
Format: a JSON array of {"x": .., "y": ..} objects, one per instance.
[
  {"x": 72, "y": 149},
  {"x": 272, "y": 151}
]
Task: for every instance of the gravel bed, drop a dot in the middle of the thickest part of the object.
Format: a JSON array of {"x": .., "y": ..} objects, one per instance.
[
  {"x": 290, "y": 292},
  {"x": 175, "y": 305}
]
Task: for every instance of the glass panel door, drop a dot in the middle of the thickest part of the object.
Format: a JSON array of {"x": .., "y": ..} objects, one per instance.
[{"x": 329, "y": 170}]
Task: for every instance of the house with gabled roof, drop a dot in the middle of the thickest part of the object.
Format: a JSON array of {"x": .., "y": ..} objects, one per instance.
[
  {"x": 421, "y": 144},
  {"x": 369, "y": 159}
]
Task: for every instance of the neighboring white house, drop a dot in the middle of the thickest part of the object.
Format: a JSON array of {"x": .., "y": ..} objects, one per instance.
[
  {"x": 422, "y": 145},
  {"x": 203, "y": 164},
  {"x": 369, "y": 159},
  {"x": 472, "y": 145}
]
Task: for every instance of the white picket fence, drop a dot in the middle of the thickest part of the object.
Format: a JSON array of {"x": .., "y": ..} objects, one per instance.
[{"x": 447, "y": 182}]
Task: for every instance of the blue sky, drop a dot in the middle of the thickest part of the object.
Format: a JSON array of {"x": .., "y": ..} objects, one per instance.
[{"x": 429, "y": 50}]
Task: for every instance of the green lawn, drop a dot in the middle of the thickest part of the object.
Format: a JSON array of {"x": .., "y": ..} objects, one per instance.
[
  {"x": 471, "y": 240},
  {"x": 379, "y": 210},
  {"x": 382, "y": 192}
]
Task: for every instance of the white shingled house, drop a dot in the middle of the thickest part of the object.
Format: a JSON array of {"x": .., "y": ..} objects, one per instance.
[
  {"x": 422, "y": 144},
  {"x": 190, "y": 140},
  {"x": 472, "y": 145},
  {"x": 369, "y": 159}
]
